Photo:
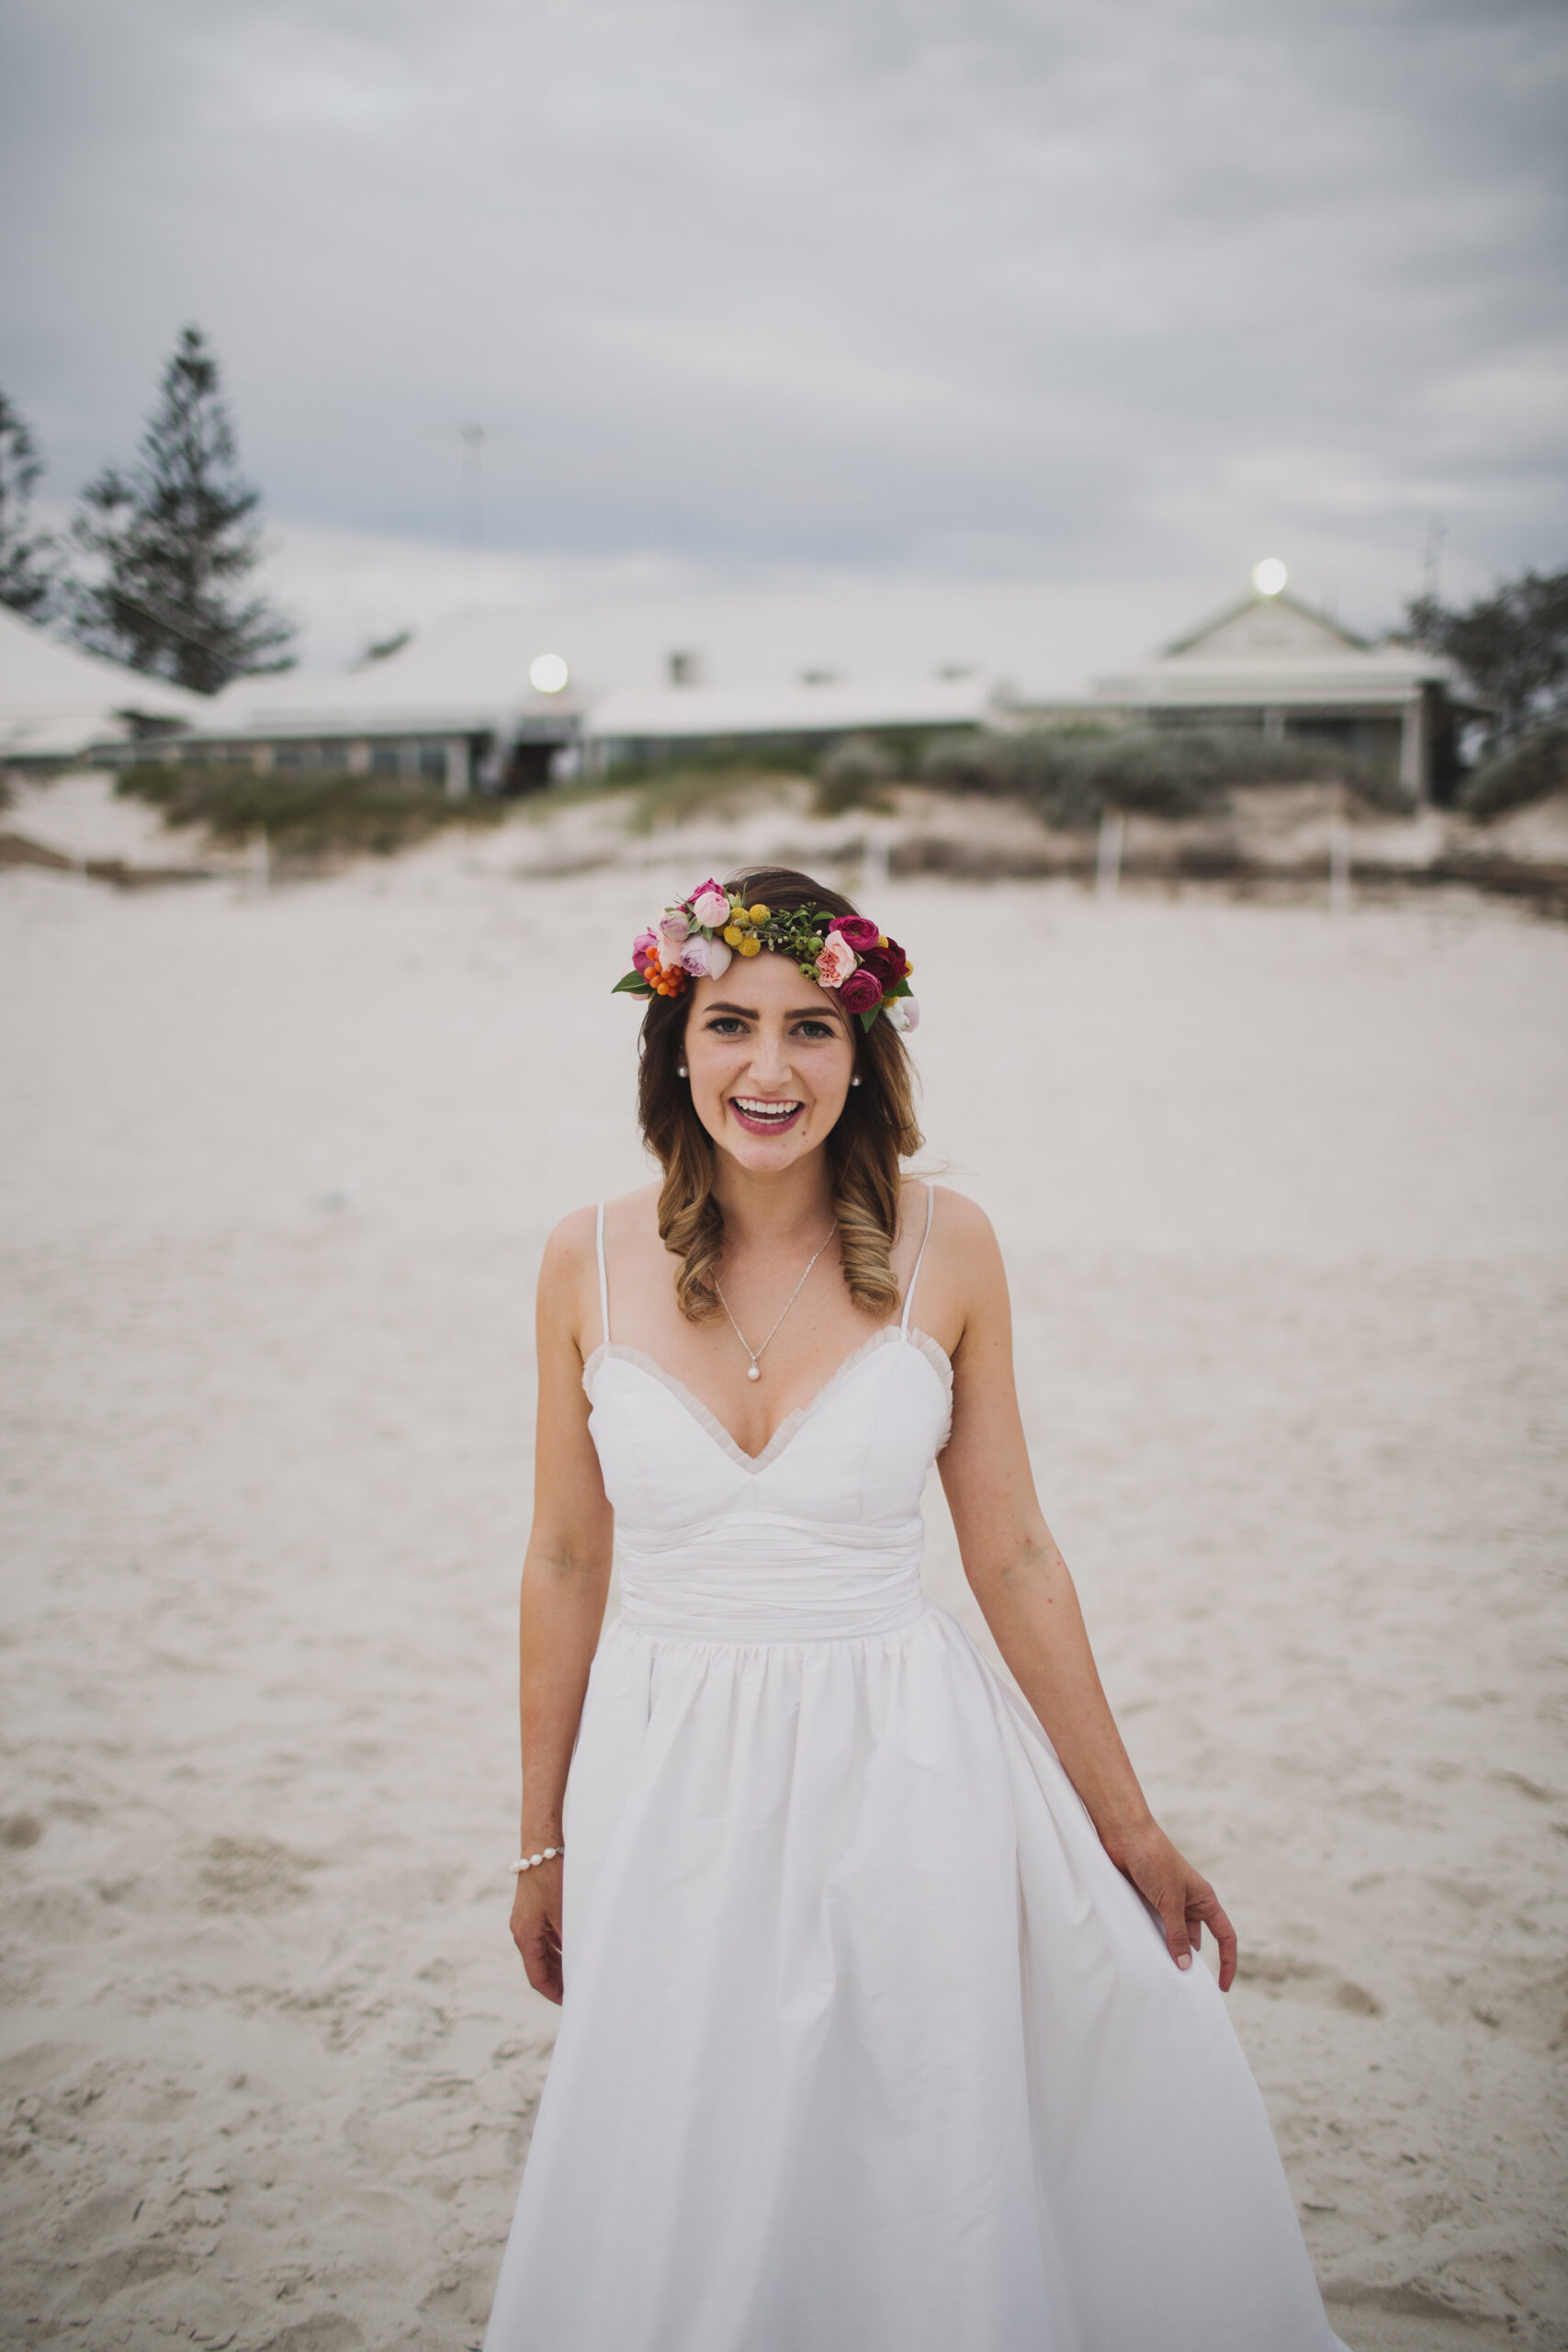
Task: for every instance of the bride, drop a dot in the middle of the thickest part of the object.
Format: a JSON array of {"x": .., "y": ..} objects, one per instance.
[{"x": 882, "y": 2030}]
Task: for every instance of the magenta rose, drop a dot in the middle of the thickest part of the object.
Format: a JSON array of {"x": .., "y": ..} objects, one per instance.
[
  {"x": 888, "y": 962},
  {"x": 861, "y": 992},
  {"x": 643, "y": 946},
  {"x": 862, "y": 933}
]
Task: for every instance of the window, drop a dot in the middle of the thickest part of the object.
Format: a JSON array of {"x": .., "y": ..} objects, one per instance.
[
  {"x": 383, "y": 759},
  {"x": 433, "y": 763}
]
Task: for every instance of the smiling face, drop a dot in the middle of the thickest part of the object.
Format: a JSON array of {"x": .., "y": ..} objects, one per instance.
[{"x": 770, "y": 1058}]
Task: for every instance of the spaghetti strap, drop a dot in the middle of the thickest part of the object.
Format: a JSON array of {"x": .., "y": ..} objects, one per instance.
[
  {"x": 914, "y": 1278},
  {"x": 603, "y": 1279}
]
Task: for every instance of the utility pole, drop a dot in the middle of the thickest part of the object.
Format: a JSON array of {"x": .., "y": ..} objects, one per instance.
[
  {"x": 1432, "y": 563},
  {"x": 470, "y": 483}
]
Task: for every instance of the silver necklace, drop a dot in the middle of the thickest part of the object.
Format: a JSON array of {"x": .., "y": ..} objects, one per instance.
[{"x": 753, "y": 1370}]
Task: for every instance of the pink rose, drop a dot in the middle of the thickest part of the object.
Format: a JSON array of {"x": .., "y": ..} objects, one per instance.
[
  {"x": 643, "y": 945},
  {"x": 860, "y": 993},
  {"x": 672, "y": 929},
  {"x": 710, "y": 905},
  {"x": 706, "y": 959},
  {"x": 836, "y": 961},
  {"x": 862, "y": 933}
]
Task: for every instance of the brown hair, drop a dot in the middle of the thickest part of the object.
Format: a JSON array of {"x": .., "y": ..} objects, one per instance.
[{"x": 875, "y": 1130}]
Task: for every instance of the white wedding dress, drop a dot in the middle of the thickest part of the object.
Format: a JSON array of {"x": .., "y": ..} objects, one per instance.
[{"x": 867, "y": 2046}]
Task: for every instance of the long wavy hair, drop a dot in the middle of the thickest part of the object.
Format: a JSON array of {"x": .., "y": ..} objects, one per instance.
[{"x": 876, "y": 1129}]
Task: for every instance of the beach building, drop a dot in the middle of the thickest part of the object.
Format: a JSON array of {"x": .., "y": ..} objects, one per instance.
[
  {"x": 455, "y": 706},
  {"x": 1272, "y": 662},
  {"x": 57, "y": 705},
  {"x": 479, "y": 702},
  {"x": 506, "y": 699}
]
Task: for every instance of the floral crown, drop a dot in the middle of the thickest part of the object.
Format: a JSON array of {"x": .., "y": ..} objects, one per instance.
[{"x": 695, "y": 939}]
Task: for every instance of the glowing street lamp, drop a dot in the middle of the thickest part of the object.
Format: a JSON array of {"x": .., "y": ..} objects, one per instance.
[
  {"x": 1269, "y": 576},
  {"x": 548, "y": 673}
]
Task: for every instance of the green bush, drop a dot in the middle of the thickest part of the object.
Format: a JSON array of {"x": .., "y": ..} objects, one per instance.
[
  {"x": 1070, "y": 775},
  {"x": 673, "y": 796},
  {"x": 304, "y": 816},
  {"x": 855, "y": 774},
  {"x": 1536, "y": 766}
]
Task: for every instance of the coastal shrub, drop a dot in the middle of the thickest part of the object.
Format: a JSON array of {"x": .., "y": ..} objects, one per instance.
[
  {"x": 673, "y": 796},
  {"x": 1071, "y": 775},
  {"x": 855, "y": 773},
  {"x": 1535, "y": 767},
  {"x": 303, "y": 816}
]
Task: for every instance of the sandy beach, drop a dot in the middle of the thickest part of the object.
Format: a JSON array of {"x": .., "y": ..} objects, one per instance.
[{"x": 1282, "y": 1193}]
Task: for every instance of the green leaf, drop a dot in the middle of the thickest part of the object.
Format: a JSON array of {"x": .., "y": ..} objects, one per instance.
[
  {"x": 867, "y": 1018},
  {"x": 633, "y": 985}
]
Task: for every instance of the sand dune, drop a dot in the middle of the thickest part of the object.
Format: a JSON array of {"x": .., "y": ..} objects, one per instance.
[{"x": 1282, "y": 1199}]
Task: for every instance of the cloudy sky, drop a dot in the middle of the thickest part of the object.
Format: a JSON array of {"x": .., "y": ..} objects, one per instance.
[{"x": 988, "y": 290}]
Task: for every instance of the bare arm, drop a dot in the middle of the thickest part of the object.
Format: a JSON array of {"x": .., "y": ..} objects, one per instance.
[
  {"x": 1021, "y": 1583},
  {"x": 566, "y": 1575}
]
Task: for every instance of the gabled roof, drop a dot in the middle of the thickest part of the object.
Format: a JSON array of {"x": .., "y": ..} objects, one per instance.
[
  {"x": 1273, "y": 651},
  {"x": 1269, "y": 627}
]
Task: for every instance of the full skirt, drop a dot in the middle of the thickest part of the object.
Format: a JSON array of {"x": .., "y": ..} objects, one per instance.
[{"x": 867, "y": 2046}]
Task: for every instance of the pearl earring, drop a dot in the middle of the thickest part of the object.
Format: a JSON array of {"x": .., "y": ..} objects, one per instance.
[
  {"x": 679, "y": 1070},
  {"x": 855, "y": 1080}
]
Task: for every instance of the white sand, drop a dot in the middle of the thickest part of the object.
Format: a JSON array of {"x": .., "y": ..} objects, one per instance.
[{"x": 1282, "y": 1197}]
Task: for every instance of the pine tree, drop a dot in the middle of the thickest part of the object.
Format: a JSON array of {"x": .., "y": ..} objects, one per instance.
[
  {"x": 175, "y": 538},
  {"x": 28, "y": 577}
]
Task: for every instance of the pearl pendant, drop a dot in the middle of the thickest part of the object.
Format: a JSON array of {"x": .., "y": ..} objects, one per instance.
[{"x": 752, "y": 1372}]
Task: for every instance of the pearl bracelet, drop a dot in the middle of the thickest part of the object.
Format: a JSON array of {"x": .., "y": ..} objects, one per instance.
[{"x": 532, "y": 1861}]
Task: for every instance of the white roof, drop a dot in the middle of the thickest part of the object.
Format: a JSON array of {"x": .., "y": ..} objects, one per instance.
[
  {"x": 467, "y": 673},
  {"x": 834, "y": 705},
  {"x": 56, "y": 702}
]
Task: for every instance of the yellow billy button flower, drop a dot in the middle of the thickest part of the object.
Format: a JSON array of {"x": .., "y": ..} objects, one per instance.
[
  {"x": 733, "y": 936},
  {"x": 759, "y": 915},
  {"x": 881, "y": 938},
  {"x": 738, "y": 910},
  {"x": 749, "y": 943}
]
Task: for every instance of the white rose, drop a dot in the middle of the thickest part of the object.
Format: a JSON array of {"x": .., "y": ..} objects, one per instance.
[{"x": 706, "y": 959}]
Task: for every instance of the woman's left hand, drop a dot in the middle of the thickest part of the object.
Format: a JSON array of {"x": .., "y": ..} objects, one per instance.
[{"x": 1182, "y": 1896}]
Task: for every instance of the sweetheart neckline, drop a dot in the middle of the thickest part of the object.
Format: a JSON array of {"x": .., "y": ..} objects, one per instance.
[{"x": 931, "y": 1351}]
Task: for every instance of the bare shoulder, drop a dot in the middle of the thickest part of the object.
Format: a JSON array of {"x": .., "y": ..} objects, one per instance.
[
  {"x": 963, "y": 1239},
  {"x": 573, "y": 1242},
  {"x": 568, "y": 1269},
  {"x": 569, "y": 1248},
  {"x": 961, "y": 1277}
]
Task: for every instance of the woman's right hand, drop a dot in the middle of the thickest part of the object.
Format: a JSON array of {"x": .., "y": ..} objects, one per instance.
[{"x": 535, "y": 1925}]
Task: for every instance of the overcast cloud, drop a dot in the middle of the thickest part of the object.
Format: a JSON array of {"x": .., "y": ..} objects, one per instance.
[{"x": 1055, "y": 291}]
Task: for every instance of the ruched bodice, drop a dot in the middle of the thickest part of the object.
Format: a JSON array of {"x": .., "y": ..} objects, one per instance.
[{"x": 818, "y": 1537}]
